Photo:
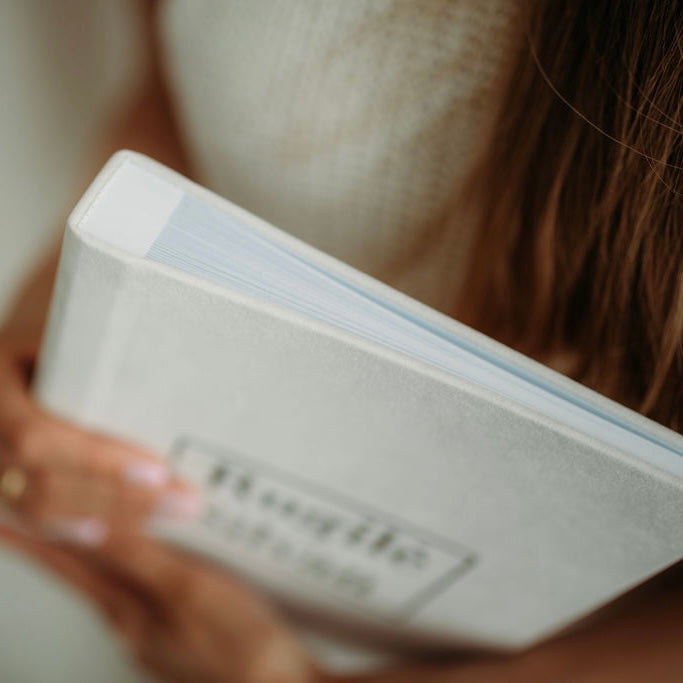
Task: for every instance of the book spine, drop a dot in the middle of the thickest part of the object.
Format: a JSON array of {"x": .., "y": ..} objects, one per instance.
[{"x": 87, "y": 285}]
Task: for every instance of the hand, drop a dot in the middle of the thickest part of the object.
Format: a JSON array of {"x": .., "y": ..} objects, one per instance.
[
  {"x": 196, "y": 623},
  {"x": 189, "y": 622},
  {"x": 73, "y": 484},
  {"x": 184, "y": 620}
]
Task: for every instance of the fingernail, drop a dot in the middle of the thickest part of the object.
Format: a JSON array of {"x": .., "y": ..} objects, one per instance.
[
  {"x": 90, "y": 532},
  {"x": 176, "y": 505},
  {"x": 146, "y": 474}
]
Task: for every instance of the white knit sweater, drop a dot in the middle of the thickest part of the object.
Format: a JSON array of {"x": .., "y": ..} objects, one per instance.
[{"x": 349, "y": 123}]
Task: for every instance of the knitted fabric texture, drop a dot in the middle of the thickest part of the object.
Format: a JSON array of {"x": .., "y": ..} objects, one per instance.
[{"x": 351, "y": 125}]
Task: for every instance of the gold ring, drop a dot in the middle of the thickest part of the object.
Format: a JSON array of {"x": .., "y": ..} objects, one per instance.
[{"x": 13, "y": 482}]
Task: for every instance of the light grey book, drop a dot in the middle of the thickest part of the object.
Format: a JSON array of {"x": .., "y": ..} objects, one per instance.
[{"x": 363, "y": 457}]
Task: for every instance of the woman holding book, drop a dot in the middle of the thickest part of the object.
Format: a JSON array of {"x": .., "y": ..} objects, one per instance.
[{"x": 518, "y": 169}]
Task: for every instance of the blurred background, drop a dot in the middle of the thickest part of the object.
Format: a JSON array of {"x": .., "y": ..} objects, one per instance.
[{"x": 64, "y": 67}]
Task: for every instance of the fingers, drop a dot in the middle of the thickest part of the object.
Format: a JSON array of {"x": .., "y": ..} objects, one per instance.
[
  {"x": 75, "y": 570},
  {"x": 74, "y": 474},
  {"x": 221, "y": 629},
  {"x": 52, "y": 495},
  {"x": 125, "y": 610},
  {"x": 163, "y": 572},
  {"x": 175, "y": 578},
  {"x": 75, "y": 483}
]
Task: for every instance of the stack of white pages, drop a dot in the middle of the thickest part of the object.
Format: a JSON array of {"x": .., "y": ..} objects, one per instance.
[{"x": 363, "y": 457}]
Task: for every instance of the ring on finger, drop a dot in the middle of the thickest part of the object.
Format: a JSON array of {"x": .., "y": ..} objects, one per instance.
[{"x": 13, "y": 483}]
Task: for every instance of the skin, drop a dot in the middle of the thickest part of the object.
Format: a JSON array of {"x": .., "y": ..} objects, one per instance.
[{"x": 187, "y": 621}]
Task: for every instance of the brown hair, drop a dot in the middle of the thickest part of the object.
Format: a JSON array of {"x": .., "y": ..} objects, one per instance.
[{"x": 580, "y": 246}]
